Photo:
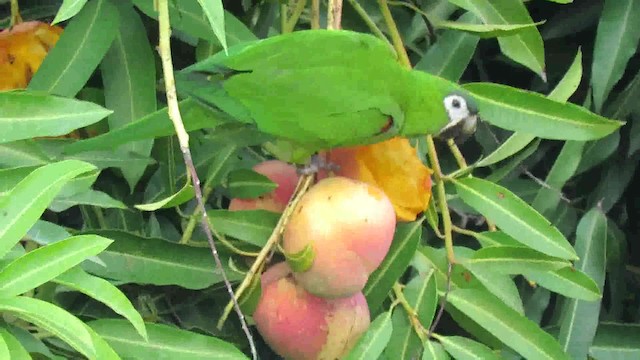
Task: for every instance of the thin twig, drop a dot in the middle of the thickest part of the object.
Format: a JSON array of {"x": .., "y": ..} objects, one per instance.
[
  {"x": 396, "y": 39},
  {"x": 183, "y": 139},
  {"x": 15, "y": 14},
  {"x": 303, "y": 185},
  {"x": 293, "y": 20},
  {"x": 443, "y": 302},
  {"x": 457, "y": 154},
  {"x": 411, "y": 312},
  {"x": 369, "y": 21},
  {"x": 315, "y": 14},
  {"x": 334, "y": 15}
]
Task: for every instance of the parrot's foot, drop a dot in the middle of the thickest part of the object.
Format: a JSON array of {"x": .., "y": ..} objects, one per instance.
[{"x": 316, "y": 164}]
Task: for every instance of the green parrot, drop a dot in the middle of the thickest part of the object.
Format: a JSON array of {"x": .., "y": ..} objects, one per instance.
[{"x": 314, "y": 90}]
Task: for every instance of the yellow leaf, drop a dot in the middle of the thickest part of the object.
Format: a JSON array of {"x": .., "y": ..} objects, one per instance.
[{"x": 393, "y": 166}]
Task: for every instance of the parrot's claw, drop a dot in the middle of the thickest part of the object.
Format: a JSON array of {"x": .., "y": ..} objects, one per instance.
[{"x": 316, "y": 164}]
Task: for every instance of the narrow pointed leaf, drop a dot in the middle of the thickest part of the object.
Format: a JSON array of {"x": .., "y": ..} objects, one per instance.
[
  {"x": 373, "y": 342},
  {"x": 532, "y": 113},
  {"x": 434, "y": 351},
  {"x": 215, "y": 13},
  {"x": 404, "y": 245},
  {"x": 450, "y": 55},
  {"x": 43, "y": 264},
  {"x": 569, "y": 282},
  {"x": 30, "y": 115},
  {"x": 68, "y": 9},
  {"x": 616, "y": 41},
  {"x": 164, "y": 342},
  {"x": 134, "y": 259},
  {"x": 81, "y": 47},
  {"x": 251, "y": 226},
  {"x": 516, "y": 331},
  {"x": 514, "y": 260},
  {"x": 248, "y": 184},
  {"x": 580, "y": 318},
  {"x": 53, "y": 319},
  {"x": 105, "y": 292},
  {"x": 22, "y": 207},
  {"x": 515, "y": 217},
  {"x": 526, "y": 47},
  {"x": 183, "y": 195},
  {"x": 129, "y": 75},
  {"x": 463, "y": 348},
  {"x": 15, "y": 349}
]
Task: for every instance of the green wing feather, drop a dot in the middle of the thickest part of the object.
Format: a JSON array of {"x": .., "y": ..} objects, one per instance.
[{"x": 320, "y": 89}]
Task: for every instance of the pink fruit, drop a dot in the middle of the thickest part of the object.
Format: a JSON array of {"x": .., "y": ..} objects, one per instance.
[
  {"x": 350, "y": 225},
  {"x": 298, "y": 325},
  {"x": 281, "y": 173}
]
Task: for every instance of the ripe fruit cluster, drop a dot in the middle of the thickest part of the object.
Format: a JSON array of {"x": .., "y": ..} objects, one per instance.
[{"x": 320, "y": 313}]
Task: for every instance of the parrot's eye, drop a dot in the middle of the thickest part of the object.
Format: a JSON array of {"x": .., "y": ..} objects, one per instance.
[{"x": 456, "y": 107}]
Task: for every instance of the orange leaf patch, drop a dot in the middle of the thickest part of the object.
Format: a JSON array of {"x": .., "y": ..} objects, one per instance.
[
  {"x": 393, "y": 166},
  {"x": 22, "y": 50}
]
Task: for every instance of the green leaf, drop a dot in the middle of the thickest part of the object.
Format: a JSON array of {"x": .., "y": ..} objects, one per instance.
[
  {"x": 499, "y": 284},
  {"x": 302, "y": 260},
  {"x": 90, "y": 197},
  {"x": 514, "y": 260},
  {"x": 43, "y": 264},
  {"x": 526, "y": 47},
  {"x": 563, "y": 169},
  {"x": 215, "y": 13},
  {"x": 103, "y": 291},
  {"x": 495, "y": 238},
  {"x": 515, "y": 217},
  {"x": 129, "y": 76},
  {"x": 164, "y": 342},
  {"x": 569, "y": 282},
  {"x": 251, "y": 226},
  {"x": 626, "y": 101},
  {"x": 616, "y": 341},
  {"x": 488, "y": 30},
  {"x": 451, "y": 54},
  {"x": 22, "y": 207},
  {"x": 21, "y": 154},
  {"x": 512, "y": 145},
  {"x": 372, "y": 343},
  {"x": 404, "y": 245},
  {"x": 134, "y": 259},
  {"x": 15, "y": 350},
  {"x": 434, "y": 351},
  {"x": 183, "y": 195},
  {"x": 579, "y": 318},
  {"x": 463, "y": 348},
  {"x": 616, "y": 41},
  {"x": 53, "y": 319},
  {"x": 68, "y": 9},
  {"x": 422, "y": 294},
  {"x": 81, "y": 47},
  {"x": 596, "y": 152},
  {"x": 30, "y": 115},
  {"x": 570, "y": 81},
  {"x": 404, "y": 344},
  {"x": 4, "y": 349},
  {"x": 188, "y": 16},
  {"x": 154, "y": 125},
  {"x": 516, "y": 331},
  {"x": 534, "y": 114},
  {"x": 248, "y": 184}
]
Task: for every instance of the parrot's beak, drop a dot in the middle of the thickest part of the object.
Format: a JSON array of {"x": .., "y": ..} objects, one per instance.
[{"x": 461, "y": 130}]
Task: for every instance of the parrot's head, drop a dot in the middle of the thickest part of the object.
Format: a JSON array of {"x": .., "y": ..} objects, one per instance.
[{"x": 463, "y": 117}]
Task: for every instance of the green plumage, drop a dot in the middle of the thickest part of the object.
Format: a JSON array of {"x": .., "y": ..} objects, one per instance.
[{"x": 320, "y": 89}]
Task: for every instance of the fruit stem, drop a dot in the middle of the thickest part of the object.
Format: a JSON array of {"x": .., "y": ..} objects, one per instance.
[
  {"x": 15, "y": 14},
  {"x": 442, "y": 199},
  {"x": 395, "y": 34},
  {"x": 411, "y": 312},
  {"x": 301, "y": 188},
  {"x": 164, "y": 48},
  {"x": 457, "y": 154}
]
